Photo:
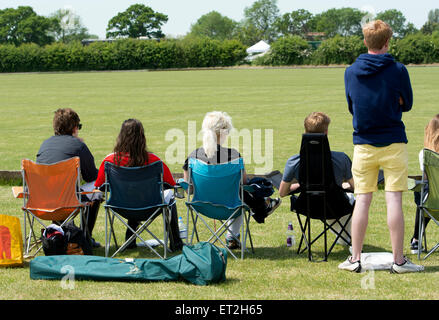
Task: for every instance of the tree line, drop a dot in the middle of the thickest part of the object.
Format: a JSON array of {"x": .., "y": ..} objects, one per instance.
[
  {"x": 29, "y": 42},
  {"x": 262, "y": 21}
]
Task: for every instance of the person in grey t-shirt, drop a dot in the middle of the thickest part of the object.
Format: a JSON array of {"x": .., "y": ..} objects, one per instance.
[
  {"x": 65, "y": 144},
  {"x": 318, "y": 122}
]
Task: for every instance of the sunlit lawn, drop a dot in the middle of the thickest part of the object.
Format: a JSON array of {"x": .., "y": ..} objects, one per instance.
[{"x": 172, "y": 104}]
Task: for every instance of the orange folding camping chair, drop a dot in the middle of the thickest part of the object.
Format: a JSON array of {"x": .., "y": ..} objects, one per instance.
[{"x": 51, "y": 193}]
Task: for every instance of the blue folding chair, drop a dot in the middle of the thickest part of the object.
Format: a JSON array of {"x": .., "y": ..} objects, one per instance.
[
  {"x": 135, "y": 193},
  {"x": 216, "y": 192}
]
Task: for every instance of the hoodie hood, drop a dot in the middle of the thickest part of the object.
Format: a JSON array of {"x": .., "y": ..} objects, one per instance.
[{"x": 369, "y": 64}]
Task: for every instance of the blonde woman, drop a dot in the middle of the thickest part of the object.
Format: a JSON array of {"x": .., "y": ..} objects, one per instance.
[
  {"x": 215, "y": 128},
  {"x": 431, "y": 142}
]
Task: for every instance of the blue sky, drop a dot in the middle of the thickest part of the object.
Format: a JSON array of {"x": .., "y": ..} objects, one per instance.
[{"x": 95, "y": 14}]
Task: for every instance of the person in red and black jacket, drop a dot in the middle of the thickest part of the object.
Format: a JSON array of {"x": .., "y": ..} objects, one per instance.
[{"x": 131, "y": 151}]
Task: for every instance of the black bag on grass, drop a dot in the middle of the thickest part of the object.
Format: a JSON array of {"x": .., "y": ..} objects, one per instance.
[
  {"x": 76, "y": 242},
  {"x": 68, "y": 240},
  {"x": 53, "y": 241}
]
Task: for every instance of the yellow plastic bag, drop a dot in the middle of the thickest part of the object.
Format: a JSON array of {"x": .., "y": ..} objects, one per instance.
[{"x": 11, "y": 242}]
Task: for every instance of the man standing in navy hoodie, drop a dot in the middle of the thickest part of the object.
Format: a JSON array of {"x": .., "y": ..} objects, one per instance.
[{"x": 378, "y": 91}]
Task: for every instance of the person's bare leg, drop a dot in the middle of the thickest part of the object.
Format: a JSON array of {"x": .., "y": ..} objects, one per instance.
[
  {"x": 395, "y": 222},
  {"x": 360, "y": 220}
]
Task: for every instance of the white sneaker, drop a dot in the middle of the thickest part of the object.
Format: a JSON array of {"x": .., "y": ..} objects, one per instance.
[
  {"x": 350, "y": 266},
  {"x": 406, "y": 267}
]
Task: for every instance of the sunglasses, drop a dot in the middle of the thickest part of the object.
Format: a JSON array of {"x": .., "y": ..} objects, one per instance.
[{"x": 80, "y": 126}]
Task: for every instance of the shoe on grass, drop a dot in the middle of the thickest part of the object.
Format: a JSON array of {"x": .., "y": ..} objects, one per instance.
[
  {"x": 95, "y": 244},
  {"x": 406, "y": 267},
  {"x": 233, "y": 244},
  {"x": 274, "y": 203},
  {"x": 349, "y": 265},
  {"x": 414, "y": 245}
]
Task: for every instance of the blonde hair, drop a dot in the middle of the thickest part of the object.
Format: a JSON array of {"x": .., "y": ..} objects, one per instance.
[
  {"x": 316, "y": 122},
  {"x": 376, "y": 33},
  {"x": 431, "y": 136},
  {"x": 216, "y": 125}
]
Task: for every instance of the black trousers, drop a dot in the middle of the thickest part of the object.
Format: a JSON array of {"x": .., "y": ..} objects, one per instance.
[
  {"x": 92, "y": 214},
  {"x": 258, "y": 205}
]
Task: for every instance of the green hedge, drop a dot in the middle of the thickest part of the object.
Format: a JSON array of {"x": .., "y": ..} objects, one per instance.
[
  {"x": 127, "y": 54},
  {"x": 339, "y": 50},
  {"x": 416, "y": 48},
  {"x": 190, "y": 52},
  {"x": 289, "y": 50}
]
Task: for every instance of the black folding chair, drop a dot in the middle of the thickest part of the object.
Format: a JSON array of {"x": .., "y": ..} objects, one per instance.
[
  {"x": 320, "y": 197},
  {"x": 135, "y": 193}
]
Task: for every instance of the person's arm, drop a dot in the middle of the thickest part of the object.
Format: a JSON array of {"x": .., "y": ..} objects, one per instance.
[
  {"x": 100, "y": 180},
  {"x": 348, "y": 180},
  {"x": 406, "y": 94},
  {"x": 185, "y": 168},
  {"x": 286, "y": 187},
  {"x": 289, "y": 181},
  {"x": 349, "y": 185},
  {"x": 89, "y": 171},
  {"x": 348, "y": 98},
  {"x": 244, "y": 174},
  {"x": 167, "y": 175}
]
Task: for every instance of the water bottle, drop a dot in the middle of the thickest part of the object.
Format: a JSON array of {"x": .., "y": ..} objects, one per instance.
[
  {"x": 291, "y": 239},
  {"x": 182, "y": 227}
]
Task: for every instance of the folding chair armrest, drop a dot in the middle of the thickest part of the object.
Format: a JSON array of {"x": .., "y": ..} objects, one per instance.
[
  {"x": 179, "y": 191},
  {"x": 166, "y": 185},
  {"x": 182, "y": 184},
  {"x": 18, "y": 192},
  {"x": 91, "y": 192},
  {"x": 415, "y": 185},
  {"x": 96, "y": 194},
  {"x": 248, "y": 188}
]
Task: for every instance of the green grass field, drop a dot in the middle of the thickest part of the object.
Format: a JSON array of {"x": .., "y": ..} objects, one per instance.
[{"x": 266, "y": 99}]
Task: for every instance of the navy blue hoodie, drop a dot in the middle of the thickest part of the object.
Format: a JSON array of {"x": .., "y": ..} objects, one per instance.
[{"x": 374, "y": 83}]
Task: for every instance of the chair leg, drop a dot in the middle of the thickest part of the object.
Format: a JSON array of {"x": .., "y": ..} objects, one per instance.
[
  {"x": 303, "y": 236},
  {"x": 340, "y": 233},
  {"x": 218, "y": 236},
  {"x": 194, "y": 231},
  {"x": 108, "y": 224},
  {"x": 325, "y": 225},
  {"x": 421, "y": 232},
  {"x": 166, "y": 228},
  {"x": 29, "y": 235},
  {"x": 248, "y": 231},
  {"x": 308, "y": 242},
  {"x": 423, "y": 235}
]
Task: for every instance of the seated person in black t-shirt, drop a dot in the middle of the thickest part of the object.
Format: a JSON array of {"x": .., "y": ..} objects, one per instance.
[
  {"x": 216, "y": 127},
  {"x": 66, "y": 144}
]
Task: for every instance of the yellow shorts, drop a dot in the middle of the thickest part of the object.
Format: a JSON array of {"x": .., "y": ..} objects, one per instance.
[{"x": 367, "y": 161}]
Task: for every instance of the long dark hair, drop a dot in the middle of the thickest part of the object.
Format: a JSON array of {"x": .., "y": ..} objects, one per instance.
[{"x": 131, "y": 141}]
